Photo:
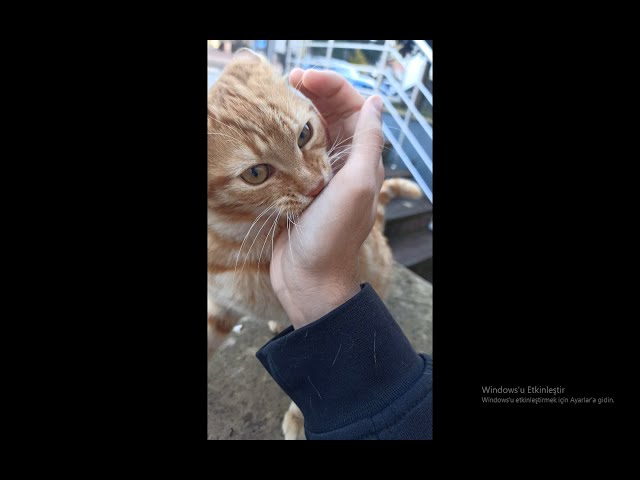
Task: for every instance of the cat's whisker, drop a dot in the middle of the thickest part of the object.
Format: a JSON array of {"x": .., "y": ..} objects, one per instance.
[
  {"x": 360, "y": 132},
  {"x": 364, "y": 145},
  {"x": 273, "y": 227},
  {"x": 302, "y": 246},
  {"x": 340, "y": 159},
  {"x": 338, "y": 166},
  {"x": 263, "y": 245},
  {"x": 341, "y": 142},
  {"x": 368, "y": 145},
  {"x": 339, "y": 151},
  {"x": 229, "y": 126},
  {"x": 347, "y": 150},
  {"x": 393, "y": 128},
  {"x": 274, "y": 234},
  {"x": 339, "y": 156},
  {"x": 335, "y": 142},
  {"x": 292, "y": 93},
  {"x": 225, "y": 135},
  {"x": 290, "y": 247},
  {"x": 297, "y": 86},
  {"x": 300, "y": 81},
  {"x": 247, "y": 236},
  {"x": 254, "y": 241},
  {"x": 294, "y": 223}
]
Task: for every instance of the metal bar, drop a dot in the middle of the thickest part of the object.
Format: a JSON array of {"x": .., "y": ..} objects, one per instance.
[
  {"x": 416, "y": 175},
  {"x": 287, "y": 57},
  {"x": 421, "y": 120},
  {"x": 427, "y": 94},
  {"x": 397, "y": 56},
  {"x": 364, "y": 68},
  {"x": 424, "y": 156},
  {"x": 356, "y": 46},
  {"x": 429, "y": 56},
  {"x": 329, "y": 52},
  {"x": 414, "y": 96},
  {"x": 360, "y": 68},
  {"x": 380, "y": 72},
  {"x": 348, "y": 45},
  {"x": 300, "y": 52},
  {"x": 426, "y": 49},
  {"x": 382, "y": 64},
  {"x": 271, "y": 47}
]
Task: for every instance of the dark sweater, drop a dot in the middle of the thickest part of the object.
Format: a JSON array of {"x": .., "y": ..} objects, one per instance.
[{"x": 354, "y": 374}]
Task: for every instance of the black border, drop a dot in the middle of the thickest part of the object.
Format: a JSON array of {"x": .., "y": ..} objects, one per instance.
[
  {"x": 533, "y": 276},
  {"x": 529, "y": 217}
]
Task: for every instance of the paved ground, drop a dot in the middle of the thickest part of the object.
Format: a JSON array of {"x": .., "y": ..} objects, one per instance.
[{"x": 244, "y": 401}]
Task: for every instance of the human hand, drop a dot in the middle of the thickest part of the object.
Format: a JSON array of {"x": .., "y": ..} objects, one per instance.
[
  {"x": 314, "y": 268},
  {"x": 336, "y": 100}
]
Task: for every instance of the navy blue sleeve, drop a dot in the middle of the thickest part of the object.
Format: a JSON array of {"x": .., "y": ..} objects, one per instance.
[{"x": 354, "y": 374}]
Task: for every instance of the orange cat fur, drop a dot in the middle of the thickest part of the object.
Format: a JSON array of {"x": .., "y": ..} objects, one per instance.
[{"x": 267, "y": 158}]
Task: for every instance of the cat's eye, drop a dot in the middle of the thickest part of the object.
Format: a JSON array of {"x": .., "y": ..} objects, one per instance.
[
  {"x": 305, "y": 135},
  {"x": 256, "y": 174}
]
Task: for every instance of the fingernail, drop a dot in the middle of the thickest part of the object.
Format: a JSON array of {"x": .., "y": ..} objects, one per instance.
[{"x": 377, "y": 103}]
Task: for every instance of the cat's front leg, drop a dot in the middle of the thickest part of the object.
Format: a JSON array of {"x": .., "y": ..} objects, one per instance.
[
  {"x": 293, "y": 424},
  {"x": 275, "y": 327},
  {"x": 220, "y": 321}
]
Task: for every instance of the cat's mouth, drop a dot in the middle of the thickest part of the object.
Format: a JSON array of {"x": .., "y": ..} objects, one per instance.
[
  {"x": 300, "y": 202},
  {"x": 296, "y": 210}
]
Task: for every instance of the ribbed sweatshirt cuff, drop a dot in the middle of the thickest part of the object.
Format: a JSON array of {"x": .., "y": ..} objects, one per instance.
[{"x": 345, "y": 367}]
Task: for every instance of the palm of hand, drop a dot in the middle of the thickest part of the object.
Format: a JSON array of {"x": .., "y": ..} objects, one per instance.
[{"x": 316, "y": 257}]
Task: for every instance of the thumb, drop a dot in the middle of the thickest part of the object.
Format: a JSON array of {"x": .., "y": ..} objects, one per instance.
[{"x": 368, "y": 139}]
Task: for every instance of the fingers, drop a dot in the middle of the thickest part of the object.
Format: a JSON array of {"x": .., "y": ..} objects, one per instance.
[
  {"x": 295, "y": 80},
  {"x": 329, "y": 91},
  {"x": 368, "y": 142}
]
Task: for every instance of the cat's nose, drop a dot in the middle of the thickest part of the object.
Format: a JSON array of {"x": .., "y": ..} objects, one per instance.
[{"x": 317, "y": 190}]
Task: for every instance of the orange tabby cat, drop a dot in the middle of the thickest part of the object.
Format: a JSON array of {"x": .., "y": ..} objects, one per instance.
[{"x": 267, "y": 159}]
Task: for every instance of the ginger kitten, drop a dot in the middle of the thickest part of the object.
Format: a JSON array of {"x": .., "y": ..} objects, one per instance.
[{"x": 267, "y": 159}]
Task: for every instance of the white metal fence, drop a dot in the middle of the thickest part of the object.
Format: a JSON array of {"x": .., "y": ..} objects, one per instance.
[{"x": 398, "y": 90}]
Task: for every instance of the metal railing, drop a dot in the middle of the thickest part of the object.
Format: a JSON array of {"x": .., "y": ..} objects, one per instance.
[{"x": 417, "y": 154}]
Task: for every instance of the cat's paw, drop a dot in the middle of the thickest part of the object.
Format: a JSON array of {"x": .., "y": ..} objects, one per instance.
[
  {"x": 293, "y": 424},
  {"x": 275, "y": 327}
]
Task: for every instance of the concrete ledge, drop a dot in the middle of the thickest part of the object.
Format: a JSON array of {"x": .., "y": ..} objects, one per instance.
[{"x": 243, "y": 400}]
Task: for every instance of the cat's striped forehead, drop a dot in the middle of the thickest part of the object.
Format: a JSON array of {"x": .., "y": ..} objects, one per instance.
[
  {"x": 256, "y": 119},
  {"x": 262, "y": 102}
]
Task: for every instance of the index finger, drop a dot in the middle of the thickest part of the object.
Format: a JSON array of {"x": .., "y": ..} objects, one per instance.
[{"x": 333, "y": 96}]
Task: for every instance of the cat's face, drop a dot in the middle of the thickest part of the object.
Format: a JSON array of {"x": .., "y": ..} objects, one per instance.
[{"x": 267, "y": 144}]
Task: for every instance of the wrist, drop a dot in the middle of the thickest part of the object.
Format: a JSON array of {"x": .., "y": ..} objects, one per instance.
[{"x": 307, "y": 303}]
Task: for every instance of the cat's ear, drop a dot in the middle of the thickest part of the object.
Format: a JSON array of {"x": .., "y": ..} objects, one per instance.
[{"x": 247, "y": 55}]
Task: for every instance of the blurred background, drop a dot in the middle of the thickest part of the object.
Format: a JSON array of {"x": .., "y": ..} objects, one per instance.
[{"x": 401, "y": 72}]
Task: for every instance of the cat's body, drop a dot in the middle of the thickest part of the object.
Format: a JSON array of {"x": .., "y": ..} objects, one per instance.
[{"x": 267, "y": 160}]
